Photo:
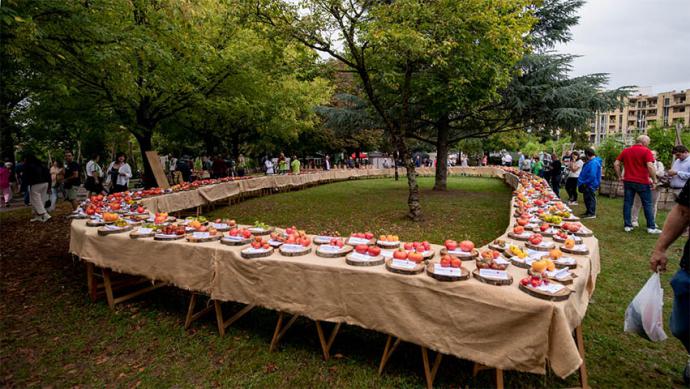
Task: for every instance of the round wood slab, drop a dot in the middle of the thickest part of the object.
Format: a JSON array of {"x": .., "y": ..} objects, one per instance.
[
  {"x": 323, "y": 239},
  {"x": 292, "y": 250},
  {"x": 566, "y": 280},
  {"x": 550, "y": 232},
  {"x": 370, "y": 242},
  {"x": 96, "y": 223},
  {"x": 165, "y": 237},
  {"x": 136, "y": 235},
  {"x": 419, "y": 267},
  {"x": 561, "y": 295},
  {"x": 235, "y": 242},
  {"x": 540, "y": 247},
  {"x": 211, "y": 238},
  {"x": 584, "y": 232},
  {"x": 325, "y": 251},
  {"x": 496, "y": 247},
  {"x": 492, "y": 281},
  {"x": 464, "y": 274},
  {"x": 354, "y": 260},
  {"x": 558, "y": 239},
  {"x": 461, "y": 255},
  {"x": 275, "y": 243},
  {"x": 519, "y": 263},
  {"x": 223, "y": 227},
  {"x": 522, "y": 237},
  {"x": 103, "y": 231},
  {"x": 576, "y": 250},
  {"x": 261, "y": 231},
  {"x": 250, "y": 253},
  {"x": 560, "y": 264},
  {"x": 388, "y": 245}
]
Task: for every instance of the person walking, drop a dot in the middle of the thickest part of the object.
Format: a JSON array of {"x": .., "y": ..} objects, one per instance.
[
  {"x": 639, "y": 177},
  {"x": 677, "y": 222},
  {"x": 94, "y": 175},
  {"x": 119, "y": 172},
  {"x": 57, "y": 177},
  {"x": 268, "y": 166},
  {"x": 72, "y": 180},
  {"x": 282, "y": 164},
  {"x": 295, "y": 165},
  {"x": 680, "y": 169},
  {"x": 637, "y": 204},
  {"x": 37, "y": 178},
  {"x": 588, "y": 182},
  {"x": 555, "y": 175},
  {"x": 574, "y": 169},
  {"x": 327, "y": 163},
  {"x": 5, "y": 184}
]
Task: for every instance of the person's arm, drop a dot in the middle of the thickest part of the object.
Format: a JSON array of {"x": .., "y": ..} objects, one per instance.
[
  {"x": 617, "y": 168},
  {"x": 652, "y": 172},
  {"x": 126, "y": 171},
  {"x": 676, "y": 222},
  {"x": 683, "y": 175}
]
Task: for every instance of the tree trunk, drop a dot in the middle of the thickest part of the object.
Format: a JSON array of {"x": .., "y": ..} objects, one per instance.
[
  {"x": 144, "y": 139},
  {"x": 440, "y": 182},
  {"x": 413, "y": 204}
]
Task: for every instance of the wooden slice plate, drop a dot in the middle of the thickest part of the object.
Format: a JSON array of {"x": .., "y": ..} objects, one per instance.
[
  {"x": 464, "y": 274},
  {"x": 572, "y": 218},
  {"x": 565, "y": 281},
  {"x": 235, "y": 242},
  {"x": 248, "y": 253},
  {"x": 163, "y": 237},
  {"x": 323, "y": 239},
  {"x": 135, "y": 235},
  {"x": 288, "y": 251},
  {"x": 211, "y": 238},
  {"x": 584, "y": 234},
  {"x": 492, "y": 281},
  {"x": 522, "y": 237},
  {"x": 221, "y": 229},
  {"x": 521, "y": 264},
  {"x": 353, "y": 260},
  {"x": 549, "y": 233},
  {"x": 78, "y": 216},
  {"x": 562, "y": 265},
  {"x": 496, "y": 247},
  {"x": 558, "y": 239},
  {"x": 103, "y": 231},
  {"x": 419, "y": 267},
  {"x": 539, "y": 247},
  {"x": 461, "y": 255},
  {"x": 561, "y": 295},
  {"x": 260, "y": 231},
  {"x": 94, "y": 223},
  {"x": 575, "y": 250},
  {"x": 388, "y": 245},
  {"x": 343, "y": 251}
]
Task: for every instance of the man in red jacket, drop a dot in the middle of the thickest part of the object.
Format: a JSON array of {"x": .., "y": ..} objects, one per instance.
[{"x": 639, "y": 177}]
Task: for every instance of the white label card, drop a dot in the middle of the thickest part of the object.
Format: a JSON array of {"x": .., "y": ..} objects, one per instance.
[
  {"x": 219, "y": 225},
  {"x": 558, "y": 274},
  {"x": 234, "y": 237},
  {"x": 496, "y": 274},
  {"x": 460, "y": 253},
  {"x": 200, "y": 235},
  {"x": 580, "y": 247},
  {"x": 404, "y": 264},
  {"x": 112, "y": 227},
  {"x": 550, "y": 288},
  {"x": 358, "y": 241},
  {"x": 329, "y": 249},
  {"x": 292, "y": 247},
  {"x": 501, "y": 261},
  {"x": 447, "y": 271},
  {"x": 566, "y": 261},
  {"x": 144, "y": 231},
  {"x": 387, "y": 253},
  {"x": 361, "y": 257},
  {"x": 252, "y": 250}
]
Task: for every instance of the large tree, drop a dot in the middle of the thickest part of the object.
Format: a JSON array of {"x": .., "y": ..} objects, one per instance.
[
  {"x": 149, "y": 63},
  {"x": 391, "y": 46}
]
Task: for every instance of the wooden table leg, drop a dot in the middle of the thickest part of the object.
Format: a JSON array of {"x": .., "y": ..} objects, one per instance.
[
  {"x": 580, "y": 340},
  {"x": 499, "y": 373},
  {"x": 191, "y": 315},
  {"x": 91, "y": 281},
  {"x": 281, "y": 330},
  {"x": 430, "y": 372},
  {"x": 108, "y": 288},
  {"x": 326, "y": 345},
  {"x": 222, "y": 323},
  {"x": 387, "y": 351}
]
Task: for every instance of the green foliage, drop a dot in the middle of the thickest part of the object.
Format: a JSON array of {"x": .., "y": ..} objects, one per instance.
[
  {"x": 663, "y": 140},
  {"x": 608, "y": 151}
]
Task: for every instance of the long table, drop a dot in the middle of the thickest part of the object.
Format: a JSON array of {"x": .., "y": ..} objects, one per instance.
[{"x": 497, "y": 326}]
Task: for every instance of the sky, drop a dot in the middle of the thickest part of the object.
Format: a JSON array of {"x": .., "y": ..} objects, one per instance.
[{"x": 638, "y": 42}]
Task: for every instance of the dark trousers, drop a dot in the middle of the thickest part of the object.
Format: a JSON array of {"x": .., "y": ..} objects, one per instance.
[
  {"x": 680, "y": 315},
  {"x": 645, "y": 193},
  {"x": 571, "y": 188},
  {"x": 589, "y": 195},
  {"x": 556, "y": 185}
]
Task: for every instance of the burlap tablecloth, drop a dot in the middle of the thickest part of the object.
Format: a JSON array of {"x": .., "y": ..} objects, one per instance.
[{"x": 498, "y": 326}]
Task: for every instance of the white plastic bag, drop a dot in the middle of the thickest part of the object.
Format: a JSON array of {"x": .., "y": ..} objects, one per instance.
[{"x": 644, "y": 315}]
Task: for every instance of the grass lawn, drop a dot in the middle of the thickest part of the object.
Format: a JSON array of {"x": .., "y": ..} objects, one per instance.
[{"x": 51, "y": 334}]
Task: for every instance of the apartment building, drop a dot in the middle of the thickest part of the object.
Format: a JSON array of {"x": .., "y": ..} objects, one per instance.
[{"x": 642, "y": 111}]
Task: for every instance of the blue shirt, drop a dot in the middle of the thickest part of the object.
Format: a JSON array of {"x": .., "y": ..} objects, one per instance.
[{"x": 591, "y": 173}]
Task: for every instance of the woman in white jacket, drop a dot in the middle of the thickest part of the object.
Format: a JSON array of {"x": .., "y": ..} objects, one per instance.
[{"x": 119, "y": 173}]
